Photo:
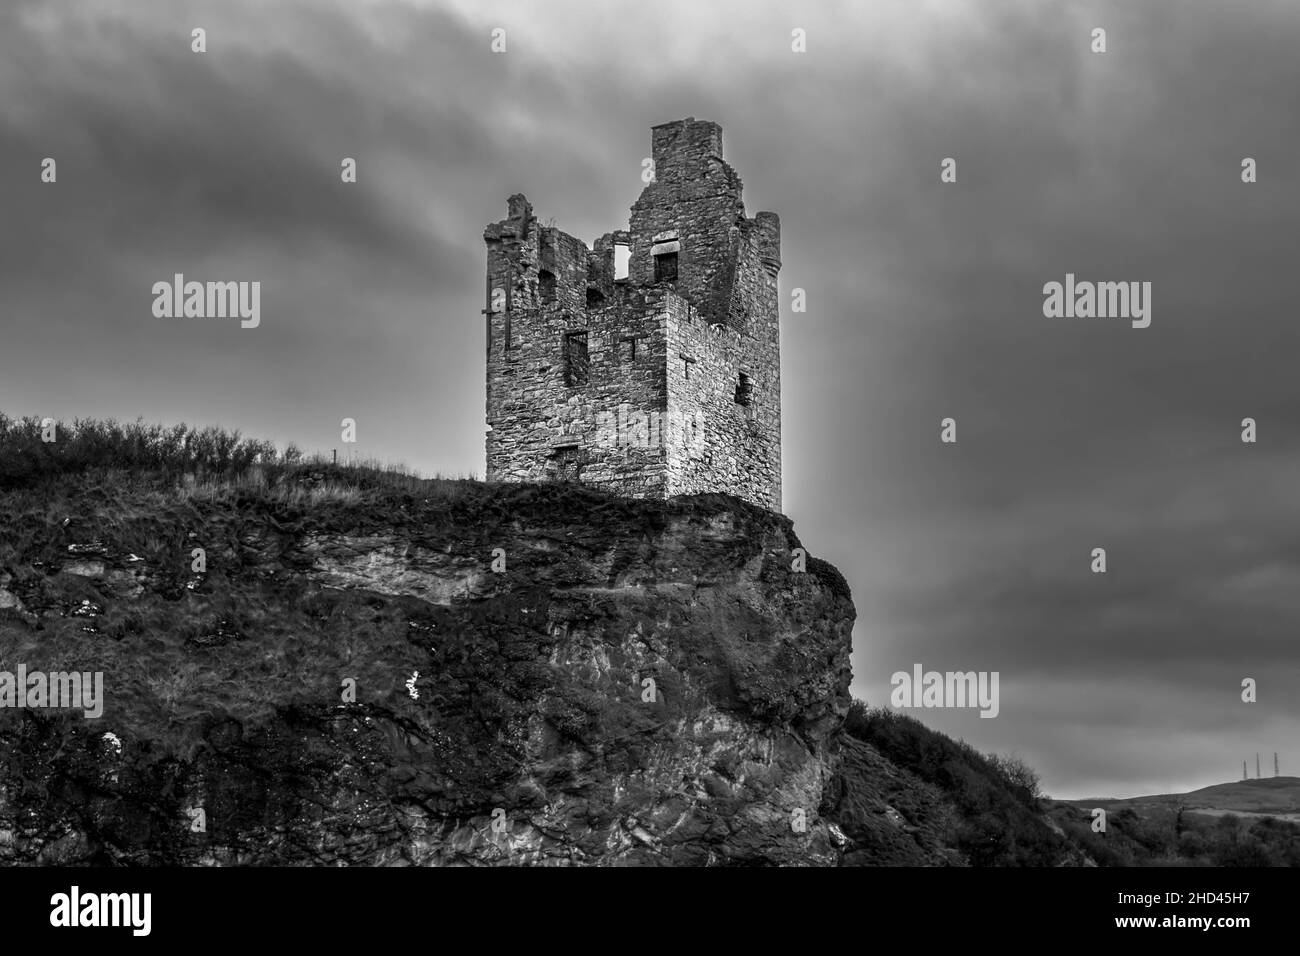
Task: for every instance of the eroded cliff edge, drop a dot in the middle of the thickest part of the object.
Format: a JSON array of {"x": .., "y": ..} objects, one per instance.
[{"x": 529, "y": 739}]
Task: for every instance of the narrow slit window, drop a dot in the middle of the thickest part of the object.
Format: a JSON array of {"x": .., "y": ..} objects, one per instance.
[
  {"x": 546, "y": 286},
  {"x": 666, "y": 267},
  {"x": 577, "y": 364},
  {"x": 621, "y": 256},
  {"x": 664, "y": 253},
  {"x": 744, "y": 390}
]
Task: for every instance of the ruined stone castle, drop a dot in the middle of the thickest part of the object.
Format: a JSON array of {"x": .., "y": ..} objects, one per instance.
[{"x": 650, "y": 363}]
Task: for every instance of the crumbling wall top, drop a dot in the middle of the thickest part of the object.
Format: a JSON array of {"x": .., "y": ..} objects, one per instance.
[{"x": 689, "y": 140}]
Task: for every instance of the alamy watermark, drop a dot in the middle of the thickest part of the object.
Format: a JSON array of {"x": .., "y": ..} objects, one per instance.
[
  {"x": 208, "y": 300},
  {"x": 946, "y": 689},
  {"x": 1102, "y": 300},
  {"x": 628, "y": 427},
  {"x": 76, "y": 909},
  {"x": 70, "y": 690}
]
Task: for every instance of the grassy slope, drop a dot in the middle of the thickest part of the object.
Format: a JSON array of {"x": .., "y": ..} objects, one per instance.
[{"x": 911, "y": 795}]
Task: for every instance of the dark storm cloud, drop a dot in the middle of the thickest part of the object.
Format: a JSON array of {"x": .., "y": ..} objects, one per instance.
[
  {"x": 924, "y": 300},
  {"x": 177, "y": 154}
]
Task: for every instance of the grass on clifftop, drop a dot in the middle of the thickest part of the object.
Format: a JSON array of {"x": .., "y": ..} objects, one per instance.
[
  {"x": 208, "y": 460},
  {"x": 212, "y": 463}
]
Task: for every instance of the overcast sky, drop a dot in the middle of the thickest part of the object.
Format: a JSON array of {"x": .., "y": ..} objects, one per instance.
[{"x": 924, "y": 299}]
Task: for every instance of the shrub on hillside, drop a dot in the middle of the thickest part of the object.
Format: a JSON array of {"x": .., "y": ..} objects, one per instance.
[{"x": 1000, "y": 820}]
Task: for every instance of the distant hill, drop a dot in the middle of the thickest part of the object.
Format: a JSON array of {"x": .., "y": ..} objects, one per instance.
[
  {"x": 1244, "y": 823},
  {"x": 1266, "y": 796}
]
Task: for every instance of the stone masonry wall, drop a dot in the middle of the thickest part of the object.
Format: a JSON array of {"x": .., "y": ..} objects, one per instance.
[
  {"x": 695, "y": 198},
  {"x": 720, "y": 444},
  {"x": 544, "y": 429},
  {"x": 636, "y": 422}
]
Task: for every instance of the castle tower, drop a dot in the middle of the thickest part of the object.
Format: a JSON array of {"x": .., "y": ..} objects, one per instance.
[{"x": 648, "y": 364}]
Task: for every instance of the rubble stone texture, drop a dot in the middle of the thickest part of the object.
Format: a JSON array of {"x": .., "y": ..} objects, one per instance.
[
  {"x": 666, "y": 381},
  {"x": 645, "y": 682}
]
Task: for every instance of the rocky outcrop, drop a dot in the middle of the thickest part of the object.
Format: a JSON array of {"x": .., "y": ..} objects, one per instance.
[{"x": 486, "y": 675}]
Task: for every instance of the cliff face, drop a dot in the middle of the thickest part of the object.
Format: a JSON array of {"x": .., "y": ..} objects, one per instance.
[{"x": 459, "y": 673}]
